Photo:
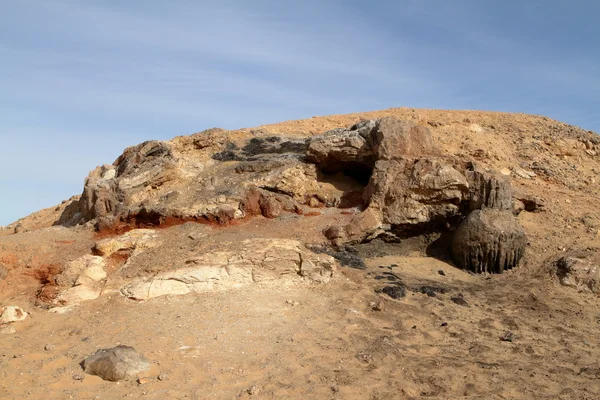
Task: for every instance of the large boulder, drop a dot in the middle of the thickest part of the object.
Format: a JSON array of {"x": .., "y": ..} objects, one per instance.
[
  {"x": 115, "y": 364},
  {"x": 488, "y": 240}
]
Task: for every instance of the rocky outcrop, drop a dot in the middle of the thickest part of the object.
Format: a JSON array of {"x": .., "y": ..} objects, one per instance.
[
  {"x": 390, "y": 169},
  {"x": 116, "y": 364},
  {"x": 252, "y": 261},
  {"x": 488, "y": 240}
]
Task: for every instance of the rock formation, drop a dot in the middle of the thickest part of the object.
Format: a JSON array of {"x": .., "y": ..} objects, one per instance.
[
  {"x": 489, "y": 240},
  {"x": 391, "y": 169}
]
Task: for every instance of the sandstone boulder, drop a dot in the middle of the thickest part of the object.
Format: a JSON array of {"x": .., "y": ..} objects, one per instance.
[
  {"x": 115, "y": 364},
  {"x": 488, "y": 240}
]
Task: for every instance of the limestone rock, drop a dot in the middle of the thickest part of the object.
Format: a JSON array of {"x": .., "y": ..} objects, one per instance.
[
  {"x": 580, "y": 269},
  {"x": 115, "y": 364},
  {"x": 489, "y": 240},
  {"x": 9, "y": 314},
  {"x": 80, "y": 280},
  {"x": 248, "y": 262}
]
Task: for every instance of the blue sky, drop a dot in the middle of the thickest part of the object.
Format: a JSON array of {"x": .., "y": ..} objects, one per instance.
[{"x": 81, "y": 80}]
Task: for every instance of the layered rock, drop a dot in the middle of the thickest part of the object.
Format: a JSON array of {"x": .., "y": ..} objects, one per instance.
[
  {"x": 409, "y": 191},
  {"x": 252, "y": 261}
]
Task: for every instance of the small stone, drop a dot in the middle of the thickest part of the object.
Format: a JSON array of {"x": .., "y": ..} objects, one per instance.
[
  {"x": 253, "y": 390},
  {"x": 508, "y": 337},
  {"x": 162, "y": 377},
  {"x": 441, "y": 272},
  {"x": 78, "y": 377},
  {"x": 395, "y": 292},
  {"x": 444, "y": 324},
  {"x": 49, "y": 347},
  {"x": 377, "y": 306},
  {"x": 142, "y": 381},
  {"x": 459, "y": 300}
]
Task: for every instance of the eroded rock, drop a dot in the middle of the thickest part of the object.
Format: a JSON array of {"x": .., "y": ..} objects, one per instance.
[
  {"x": 488, "y": 240},
  {"x": 116, "y": 364}
]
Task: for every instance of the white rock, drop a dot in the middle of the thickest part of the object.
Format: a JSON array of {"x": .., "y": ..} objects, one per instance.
[
  {"x": 522, "y": 173},
  {"x": 76, "y": 295},
  {"x": 253, "y": 261},
  {"x": 10, "y": 314}
]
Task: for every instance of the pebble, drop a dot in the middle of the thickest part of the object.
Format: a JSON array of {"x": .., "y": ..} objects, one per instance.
[
  {"x": 376, "y": 306},
  {"x": 162, "y": 377},
  {"x": 78, "y": 377},
  {"x": 49, "y": 347}
]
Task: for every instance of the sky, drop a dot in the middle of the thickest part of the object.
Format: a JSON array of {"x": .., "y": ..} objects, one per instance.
[{"x": 80, "y": 80}]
